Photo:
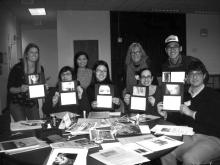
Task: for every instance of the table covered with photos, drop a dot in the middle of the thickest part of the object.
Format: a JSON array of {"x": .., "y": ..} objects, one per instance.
[{"x": 102, "y": 138}]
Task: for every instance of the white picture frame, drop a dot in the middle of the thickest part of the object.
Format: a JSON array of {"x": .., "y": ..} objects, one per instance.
[
  {"x": 104, "y": 101},
  {"x": 36, "y": 91},
  {"x": 75, "y": 156},
  {"x": 138, "y": 103},
  {"x": 172, "y": 103}
]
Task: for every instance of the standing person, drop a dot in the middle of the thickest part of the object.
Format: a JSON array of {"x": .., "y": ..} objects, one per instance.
[
  {"x": 136, "y": 60},
  {"x": 52, "y": 105},
  {"x": 101, "y": 76},
  {"x": 176, "y": 60},
  {"x": 21, "y": 107},
  {"x": 200, "y": 111},
  {"x": 154, "y": 95},
  {"x": 84, "y": 74}
]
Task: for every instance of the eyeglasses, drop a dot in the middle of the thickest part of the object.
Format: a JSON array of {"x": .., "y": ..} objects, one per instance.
[
  {"x": 172, "y": 48},
  {"x": 101, "y": 71},
  {"x": 146, "y": 77},
  {"x": 135, "y": 52}
]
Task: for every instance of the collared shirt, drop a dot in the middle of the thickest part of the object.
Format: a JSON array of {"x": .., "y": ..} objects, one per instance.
[{"x": 198, "y": 90}]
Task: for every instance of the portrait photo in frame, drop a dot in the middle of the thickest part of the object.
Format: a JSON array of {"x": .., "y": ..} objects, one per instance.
[
  {"x": 104, "y": 94},
  {"x": 173, "y": 77},
  {"x": 138, "y": 100},
  {"x": 68, "y": 93},
  {"x": 35, "y": 86},
  {"x": 172, "y": 96}
]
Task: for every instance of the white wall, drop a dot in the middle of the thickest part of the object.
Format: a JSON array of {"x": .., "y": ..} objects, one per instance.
[
  {"x": 205, "y": 48},
  {"x": 9, "y": 46},
  {"x": 46, "y": 39},
  {"x": 82, "y": 25}
]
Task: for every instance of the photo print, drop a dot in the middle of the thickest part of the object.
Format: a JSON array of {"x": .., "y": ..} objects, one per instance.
[
  {"x": 104, "y": 90},
  {"x": 33, "y": 79},
  {"x": 139, "y": 91},
  {"x": 67, "y": 86},
  {"x": 166, "y": 77},
  {"x": 172, "y": 89}
]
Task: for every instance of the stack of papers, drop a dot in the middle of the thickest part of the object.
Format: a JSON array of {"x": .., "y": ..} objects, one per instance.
[
  {"x": 26, "y": 125},
  {"x": 172, "y": 130},
  {"x": 119, "y": 156},
  {"x": 20, "y": 145}
]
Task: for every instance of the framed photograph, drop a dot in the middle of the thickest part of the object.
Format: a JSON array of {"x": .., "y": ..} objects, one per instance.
[
  {"x": 172, "y": 96},
  {"x": 34, "y": 79},
  {"x": 36, "y": 91},
  {"x": 67, "y": 156},
  {"x": 104, "y": 94},
  {"x": 173, "y": 77},
  {"x": 68, "y": 93},
  {"x": 138, "y": 100}
]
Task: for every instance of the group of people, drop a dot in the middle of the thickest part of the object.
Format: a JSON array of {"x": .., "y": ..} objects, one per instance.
[{"x": 199, "y": 109}]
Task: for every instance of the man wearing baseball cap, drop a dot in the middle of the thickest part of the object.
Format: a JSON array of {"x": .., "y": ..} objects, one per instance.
[{"x": 176, "y": 61}]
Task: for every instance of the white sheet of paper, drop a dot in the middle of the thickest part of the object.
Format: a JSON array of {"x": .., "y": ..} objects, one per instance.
[
  {"x": 36, "y": 91},
  {"x": 68, "y": 98},
  {"x": 178, "y": 77},
  {"x": 104, "y": 101},
  {"x": 144, "y": 129},
  {"x": 110, "y": 145},
  {"x": 137, "y": 148},
  {"x": 138, "y": 103},
  {"x": 171, "y": 102}
]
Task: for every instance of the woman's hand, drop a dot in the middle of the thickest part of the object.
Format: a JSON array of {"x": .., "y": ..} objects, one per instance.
[
  {"x": 186, "y": 111},
  {"x": 160, "y": 110},
  {"x": 116, "y": 100},
  {"x": 94, "y": 104},
  {"x": 80, "y": 91},
  {"x": 151, "y": 99},
  {"x": 55, "y": 99},
  {"x": 127, "y": 98},
  {"x": 24, "y": 88}
]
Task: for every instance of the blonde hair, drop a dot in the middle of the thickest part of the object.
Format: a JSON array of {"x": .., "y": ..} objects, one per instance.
[
  {"x": 25, "y": 60},
  {"x": 128, "y": 59}
]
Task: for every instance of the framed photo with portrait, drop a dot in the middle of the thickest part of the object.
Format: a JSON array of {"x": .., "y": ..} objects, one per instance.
[
  {"x": 172, "y": 96},
  {"x": 35, "y": 86},
  {"x": 173, "y": 77},
  {"x": 68, "y": 93},
  {"x": 138, "y": 98},
  {"x": 104, "y": 94},
  {"x": 67, "y": 156}
]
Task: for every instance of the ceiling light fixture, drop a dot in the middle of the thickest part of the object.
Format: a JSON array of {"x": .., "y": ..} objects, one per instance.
[{"x": 37, "y": 11}]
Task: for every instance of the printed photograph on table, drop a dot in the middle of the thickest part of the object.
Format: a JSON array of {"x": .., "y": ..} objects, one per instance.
[
  {"x": 104, "y": 95},
  {"x": 67, "y": 156},
  {"x": 101, "y": 134}
]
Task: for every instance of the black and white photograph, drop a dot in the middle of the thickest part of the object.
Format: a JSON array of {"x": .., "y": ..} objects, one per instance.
[
  {"x": 172, "y": 89},
  {"x": 139, "y": 91},
  {"x": 166, "y": 77},
  {"x": 104, "y": 90},
  {"x": 67, "y": 86},
  {"x": 33, "y": 79}
]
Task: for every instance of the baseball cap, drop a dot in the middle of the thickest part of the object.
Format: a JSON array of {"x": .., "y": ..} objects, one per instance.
[{"x": 171, "y": 38}]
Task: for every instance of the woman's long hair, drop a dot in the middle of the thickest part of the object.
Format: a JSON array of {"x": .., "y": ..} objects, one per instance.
[
  {"x": 25, "y": 58},
  {"x": 144, "y": 56},
  {"x": 107, "y": 79}
]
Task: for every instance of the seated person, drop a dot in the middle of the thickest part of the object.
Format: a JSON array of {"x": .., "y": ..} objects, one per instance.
[
  {"x": 52, "y": 104},
  {"x": 200, "y": 111},
  {"x": 154, "y": 95},
  {"x": 102, "y": 77}
]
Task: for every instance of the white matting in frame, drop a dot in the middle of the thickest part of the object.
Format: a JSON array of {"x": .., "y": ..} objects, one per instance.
[
  {"x": 178, "y": 77},
  {"x": 68, "y": 156},
  {"x": 68, "y": 98},
  {"x": 172, "y": 103},
  {"x": 104, "y": 101},
  {"x": 36, "y": 91},
  {"x": 138, "y": 103}
]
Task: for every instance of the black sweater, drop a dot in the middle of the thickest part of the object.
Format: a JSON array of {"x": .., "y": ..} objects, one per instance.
[{"x": 207, "y": 107}]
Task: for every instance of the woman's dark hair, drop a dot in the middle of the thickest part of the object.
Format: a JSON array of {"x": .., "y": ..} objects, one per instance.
[
  {"x": 75, "y": 60},
  {"x": 98, "y": 63},
  {"x": 65, "y": 69},
  {"x": 197, "y": 65}
]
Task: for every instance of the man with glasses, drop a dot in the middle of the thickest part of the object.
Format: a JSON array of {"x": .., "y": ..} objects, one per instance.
[
  {"x": 176, "y": 61},
  {"x": 201, "y": 112}
]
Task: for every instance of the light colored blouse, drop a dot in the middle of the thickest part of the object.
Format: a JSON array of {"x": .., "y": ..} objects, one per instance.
[{"x": 84, "y": 76}]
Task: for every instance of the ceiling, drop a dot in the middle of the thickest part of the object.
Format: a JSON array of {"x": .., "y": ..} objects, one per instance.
[{"x": 19, "y": 7}]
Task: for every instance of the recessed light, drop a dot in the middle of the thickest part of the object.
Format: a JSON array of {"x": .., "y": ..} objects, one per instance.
[{"x": 37, "y": 11}]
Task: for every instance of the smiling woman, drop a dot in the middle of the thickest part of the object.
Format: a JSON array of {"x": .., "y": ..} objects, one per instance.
[{"x": 21, "y": 107}]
